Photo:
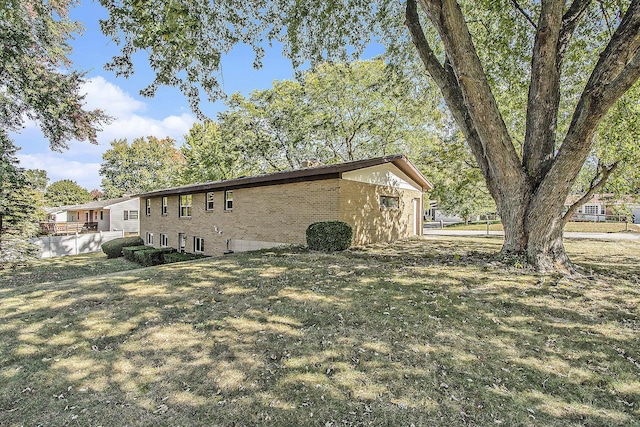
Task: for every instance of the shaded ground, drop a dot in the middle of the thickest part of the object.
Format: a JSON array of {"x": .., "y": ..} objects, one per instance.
[{"x": 428, "y": 332}]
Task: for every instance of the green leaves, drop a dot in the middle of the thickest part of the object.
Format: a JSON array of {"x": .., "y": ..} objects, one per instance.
[
  {"x": 145, "y": 165},
  {"x": 35, "y": 73},
  {"x": 66, "y": 192}
]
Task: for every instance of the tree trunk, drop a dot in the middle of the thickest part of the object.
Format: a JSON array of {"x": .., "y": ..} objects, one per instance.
[{"x": 538, "y": 238}]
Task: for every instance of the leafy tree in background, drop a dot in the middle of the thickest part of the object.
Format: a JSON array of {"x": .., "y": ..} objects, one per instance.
[
  {"x": 144, "y": 165},
  {"x": 334, "y": 113},
  {"x": 35, "y": 73},
  {"x": 18, "y": 208},
  {"x": 208, "y": 156},
  {"x": 96, "y": 194},
  {"x": 578, "y": 57},
  {"x": 66, "y": 192}
]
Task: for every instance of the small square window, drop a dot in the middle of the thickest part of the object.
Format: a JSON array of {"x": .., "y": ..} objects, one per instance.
[
  {"x": 389, "y": 202},
  {"x": 228, "y": 200},
  {"x": 209, "y": 201}
]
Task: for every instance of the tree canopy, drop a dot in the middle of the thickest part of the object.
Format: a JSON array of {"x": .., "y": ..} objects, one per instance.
[
  {"x": 37, "y": 80},
  {"x": 66, "y": 192},
  {"x": 144, "y": 165},
  {"x": 527, "y": 82}
]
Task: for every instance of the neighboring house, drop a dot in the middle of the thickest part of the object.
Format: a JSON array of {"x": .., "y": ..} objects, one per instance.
[
  {"x": 380, "y": 198},
  {"x": 101, "y": 215},
  {"x": 603, "y": 207}
]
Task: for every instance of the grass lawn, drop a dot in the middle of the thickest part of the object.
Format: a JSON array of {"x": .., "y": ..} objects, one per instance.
[
  {"x": 427, "y": 332},
  {"x": 63, "y": 268},
  {"x": 582, "y": 227}
]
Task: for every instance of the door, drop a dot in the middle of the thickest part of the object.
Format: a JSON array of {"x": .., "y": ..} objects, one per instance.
[{"x": 182, "y": 242}]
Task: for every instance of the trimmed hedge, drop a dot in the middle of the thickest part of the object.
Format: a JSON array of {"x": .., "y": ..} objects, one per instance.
[
  {"x": 151, "y": 256},
  {"x": 129, "y": 251},
  {"x": 181, "y": 256},
  {"x": 329, "y": 236},
  {"x": 113, "y": 248}
]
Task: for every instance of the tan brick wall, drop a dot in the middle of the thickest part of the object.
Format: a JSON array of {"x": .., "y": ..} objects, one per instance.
[
  {"x": 281, "y": 214},
  {"x": 360, "y": 207},
  {"x": 277, "y": 213}
]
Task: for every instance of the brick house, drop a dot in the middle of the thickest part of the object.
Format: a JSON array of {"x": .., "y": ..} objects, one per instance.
[{"x": 381, "y": 198}]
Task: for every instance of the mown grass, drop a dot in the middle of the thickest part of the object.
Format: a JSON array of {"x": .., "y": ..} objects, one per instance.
[
  {"x": 428, "y": 332},
  {"x": 580, "y": 227},
  {"x": 62, "y": 268}
]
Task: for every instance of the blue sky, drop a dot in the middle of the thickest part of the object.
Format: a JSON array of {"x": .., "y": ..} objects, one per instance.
[{"x": 167, "y": 114}]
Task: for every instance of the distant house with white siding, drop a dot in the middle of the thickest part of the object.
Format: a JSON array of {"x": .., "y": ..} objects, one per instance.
[{"x": 101, "y": 215}]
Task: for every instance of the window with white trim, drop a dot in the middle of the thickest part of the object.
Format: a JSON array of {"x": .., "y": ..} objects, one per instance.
[
  {"x": 389, "y": 202},
  {"x": 228, "y": 200},
  {"x": 165, "y": 203},
  {"x": 125, "y": 215},
  {"x": 198, "y": 245},
  {"x": 148, "y": 204},
  {"x": 591, "y": 209},
  {"x": 209, "y": 201},
  {"x": 149, "y": 238},
  {"x": 133, "y": 214},
  {"x": 164, "y": 240},
  {"x": 186, "y": 201}
]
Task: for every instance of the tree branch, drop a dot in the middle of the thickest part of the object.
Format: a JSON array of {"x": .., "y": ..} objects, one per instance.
[
  {"x": 445, "y": 78},
  {"x": 570, "y": 21},
  {"x": 544, "y": 92},
  {"x": 524, "y": 13},
  {"x": 616, "y": 71},
  {"x": 595, "y": 186}
]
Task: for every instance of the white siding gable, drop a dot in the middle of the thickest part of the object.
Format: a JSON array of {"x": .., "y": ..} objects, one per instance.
[{"x": 387, "y": 175}]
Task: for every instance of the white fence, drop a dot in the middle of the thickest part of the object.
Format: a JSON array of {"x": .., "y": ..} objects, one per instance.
[{"x": 52, "y": 246}]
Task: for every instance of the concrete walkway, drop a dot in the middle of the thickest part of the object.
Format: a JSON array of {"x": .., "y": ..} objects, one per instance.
[{"x": 567, "y": 235}]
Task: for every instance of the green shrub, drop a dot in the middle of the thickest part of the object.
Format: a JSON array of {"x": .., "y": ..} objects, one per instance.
[
  {"x": 329, "y": 236},
  {"x": 128, "y": 252},
  {"x": 180, "y": 256},
  {"x": 150, "y": 256},
  {"x": 113, "y": 248}
]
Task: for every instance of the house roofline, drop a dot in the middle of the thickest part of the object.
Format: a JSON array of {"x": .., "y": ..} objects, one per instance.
[{"x": 299, "y": 175}]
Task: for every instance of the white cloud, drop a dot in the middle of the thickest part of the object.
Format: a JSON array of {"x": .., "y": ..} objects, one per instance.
[
  {"x": 110, "y": 98},
  {"x": 81, "y": 162},
  {"x": 136, "y": 126},
  {"x": 58, "y": 167}
]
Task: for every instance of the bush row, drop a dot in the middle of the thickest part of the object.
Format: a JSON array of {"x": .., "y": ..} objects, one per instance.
[{"x": 133, "y": 250}]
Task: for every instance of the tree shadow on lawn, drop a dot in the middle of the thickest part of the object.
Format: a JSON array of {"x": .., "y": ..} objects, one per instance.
[{"x": 319, "y": 339}]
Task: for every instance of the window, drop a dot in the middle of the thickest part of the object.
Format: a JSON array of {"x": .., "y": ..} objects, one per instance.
[
  {"x": 148, "y": 206},
  {"x": 164, "y": 240},
  {"x": 591, "y": 210},
  {"x": 165, "y": 203},
  {"x": 228, "y": 200},
  {"x": 209, "y": 201},
  {"x": 125, "y": 215},
  {"x": 389, "y": 202},
  {"x": 133, "y": 214},
  {"x": 101, "y": 215},
  {"x": 149, "y": 238},
  {"x": 185, "y": 205},
  {"x": 198, "y": 244}
]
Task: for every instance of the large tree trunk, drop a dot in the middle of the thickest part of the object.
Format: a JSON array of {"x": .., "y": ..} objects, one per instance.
[{"x": 529, "y": 191}]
